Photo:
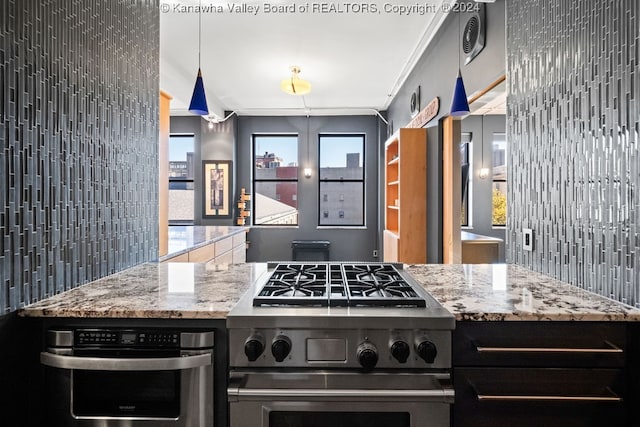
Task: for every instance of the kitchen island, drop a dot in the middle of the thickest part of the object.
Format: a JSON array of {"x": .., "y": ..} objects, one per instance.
[
  {"x": 477, "y": 292},
  {"x": 527, "y": 349}
]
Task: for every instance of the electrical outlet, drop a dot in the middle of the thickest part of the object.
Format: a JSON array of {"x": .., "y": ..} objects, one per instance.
[
  {"x": 375, "y": 253},
  {"x": 527, "y": 239}
]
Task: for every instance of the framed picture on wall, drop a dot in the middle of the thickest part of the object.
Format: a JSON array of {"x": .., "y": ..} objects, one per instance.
[{"x": 216, "y": 178}]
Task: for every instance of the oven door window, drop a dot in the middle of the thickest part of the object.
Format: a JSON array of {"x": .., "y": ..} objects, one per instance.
[
  {"x": 338, "y": 419},
  {"x": 126, "y": 394}
]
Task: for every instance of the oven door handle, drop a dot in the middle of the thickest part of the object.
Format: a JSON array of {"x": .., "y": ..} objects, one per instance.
[
  {"x": 238, "y": 393},
  {"x": 125, "y": 364}
]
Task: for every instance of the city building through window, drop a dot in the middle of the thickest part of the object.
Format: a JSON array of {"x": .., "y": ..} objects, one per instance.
[
  {"x": 275, "y": 180},
  {"x": 181, "y": 173},
  {"x": 342, "y": 181}
]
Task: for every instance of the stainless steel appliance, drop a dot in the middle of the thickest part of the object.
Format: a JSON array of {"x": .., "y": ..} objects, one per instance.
[
  {"x": 339, "y": 344},
  {"x": 112, "y": 377}
]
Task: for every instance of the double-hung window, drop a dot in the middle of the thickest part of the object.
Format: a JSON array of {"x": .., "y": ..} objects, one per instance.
[
  {"x": 342, "y": 181},
  {"x": 275, "y": 179}
]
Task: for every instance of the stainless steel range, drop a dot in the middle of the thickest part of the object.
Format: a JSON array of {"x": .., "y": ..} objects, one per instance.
[{"x": 339, "y": 344}]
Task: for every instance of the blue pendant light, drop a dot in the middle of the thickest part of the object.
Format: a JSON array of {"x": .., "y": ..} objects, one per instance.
[
  {"x": 198, "y": 104},
  {"x": 459, "y": 104}
]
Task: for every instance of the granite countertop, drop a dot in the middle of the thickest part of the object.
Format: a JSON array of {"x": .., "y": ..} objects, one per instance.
[
  {"x": 497, "y": 292},
  {"x": 155, "y": 290},
  {"x": 183, "y": 238},
  {"x": 475, "y": 292}
]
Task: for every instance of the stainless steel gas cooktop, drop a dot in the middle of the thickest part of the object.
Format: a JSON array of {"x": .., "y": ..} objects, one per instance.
[{"x": 332, "y": 284}]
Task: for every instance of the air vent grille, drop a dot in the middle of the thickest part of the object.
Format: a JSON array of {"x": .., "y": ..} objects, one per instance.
[
  {"x": 470, "y": 37},
  {"x": 473, "y": 35}
]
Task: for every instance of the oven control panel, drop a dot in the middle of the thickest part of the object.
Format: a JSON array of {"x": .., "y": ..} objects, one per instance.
[
  {"x": 126, "y": 338},
  {"x": 354, "y": 348}
]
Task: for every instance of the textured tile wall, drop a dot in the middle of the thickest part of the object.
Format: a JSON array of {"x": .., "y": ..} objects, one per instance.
[
  {"x": 573, "y": 126},
  {"x": 78, "y": 143}
]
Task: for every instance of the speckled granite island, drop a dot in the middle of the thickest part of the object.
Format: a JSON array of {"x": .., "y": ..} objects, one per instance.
[
  {"x": 478, "y": 292},
  {"x": 522, "y": 339}
]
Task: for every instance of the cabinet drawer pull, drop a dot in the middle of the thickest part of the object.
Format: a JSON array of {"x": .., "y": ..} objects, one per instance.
[
  {"x": 491, "y": 397},
  {"x": 613, "y": 349}
]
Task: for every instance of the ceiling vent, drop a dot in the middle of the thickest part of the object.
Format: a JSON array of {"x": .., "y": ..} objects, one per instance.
[{"x": 473, "y": 36}]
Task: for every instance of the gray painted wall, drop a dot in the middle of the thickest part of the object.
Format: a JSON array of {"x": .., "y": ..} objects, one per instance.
[
  {"x": 573, "y": 128},
  {"x": 79, "y": 143},
  {"x": 274, "y": 243},
  {"x": 481, "y": 189},
  {"x": 216, "y": 143}
]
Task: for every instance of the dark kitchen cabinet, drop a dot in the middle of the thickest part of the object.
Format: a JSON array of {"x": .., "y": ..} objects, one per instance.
[{"x": 541, "y": 374}]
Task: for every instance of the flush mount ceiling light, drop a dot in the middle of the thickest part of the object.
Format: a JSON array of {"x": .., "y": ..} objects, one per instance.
[{"x": 295, "y": 85}]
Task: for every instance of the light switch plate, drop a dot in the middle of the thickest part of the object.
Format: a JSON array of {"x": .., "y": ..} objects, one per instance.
[{"x": 527, "y": 239}]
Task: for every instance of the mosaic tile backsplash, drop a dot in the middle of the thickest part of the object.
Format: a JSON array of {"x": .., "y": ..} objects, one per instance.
[
  {"x": 78, "y": 143},
  {"x": 573, "y": 125}
]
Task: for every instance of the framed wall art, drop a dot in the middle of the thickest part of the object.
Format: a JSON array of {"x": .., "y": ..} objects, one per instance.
[{"x": 216, "y": 179}]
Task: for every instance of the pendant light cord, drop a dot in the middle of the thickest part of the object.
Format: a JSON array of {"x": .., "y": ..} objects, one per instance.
[
  {"x": 200, "y": 33},
  {"x": 459, "y": 40},
  {"x": 308, "y": 141},
  {"x": 482, "y": 138}
]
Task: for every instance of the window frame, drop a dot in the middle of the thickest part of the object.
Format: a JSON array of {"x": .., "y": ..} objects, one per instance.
[
  {"x": 362, "y": 180},
  {"x": 255, "y": 180},
  {"x": 494, "y": 180},
  {"x": 469, "y": 157},
  {"x": 183, "y": 179}
]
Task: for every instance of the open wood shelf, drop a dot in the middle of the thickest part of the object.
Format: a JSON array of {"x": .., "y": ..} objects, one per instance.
[{"x": 405, "y": 233}]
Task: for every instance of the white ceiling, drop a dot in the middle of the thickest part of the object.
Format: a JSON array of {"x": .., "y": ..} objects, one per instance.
[{"x": 356, "y": 62}]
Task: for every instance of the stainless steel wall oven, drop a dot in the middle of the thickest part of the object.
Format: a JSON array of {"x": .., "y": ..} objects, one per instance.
[{"x": 116, "y": 377}]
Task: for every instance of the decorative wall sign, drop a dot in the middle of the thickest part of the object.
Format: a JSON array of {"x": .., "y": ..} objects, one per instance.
[
  {"x": 424, "y": 116},
  {"x": 216, "y": 178}
]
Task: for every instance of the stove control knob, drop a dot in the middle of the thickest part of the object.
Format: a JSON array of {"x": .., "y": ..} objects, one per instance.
[
  {"x": 400, "y": 351},
  {"x": 367, "y": 355},
  {"x": 427, "y": 350},
  {"x": 253, "y": 347},
  {"x": 280, "y": 347}
]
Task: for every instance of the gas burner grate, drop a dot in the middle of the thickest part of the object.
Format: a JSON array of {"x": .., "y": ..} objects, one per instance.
[
  {"x": 379, "y": 285},
  {"x": 295, "y": 284},
  {"x": 353, "y": 284}
]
